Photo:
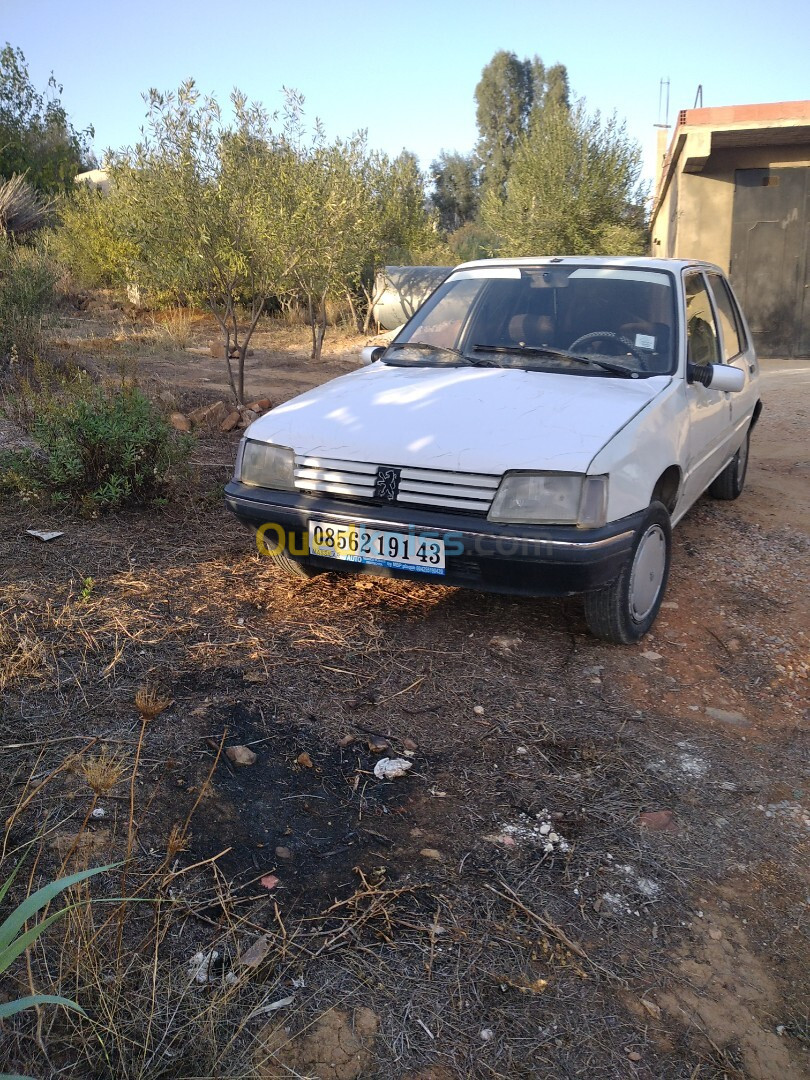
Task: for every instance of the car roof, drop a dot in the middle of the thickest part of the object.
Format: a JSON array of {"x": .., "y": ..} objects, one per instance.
[{"x": 638, "y": 262}]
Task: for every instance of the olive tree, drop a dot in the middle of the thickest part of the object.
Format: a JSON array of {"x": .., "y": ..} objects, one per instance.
[
  {"x": 573, "y": 188},
  {"x": 399, "y": 227},
  {"x": 202, "y": 210}
]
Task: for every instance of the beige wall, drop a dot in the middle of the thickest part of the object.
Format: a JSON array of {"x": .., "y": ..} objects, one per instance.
[{"x": 693, "y": 220}]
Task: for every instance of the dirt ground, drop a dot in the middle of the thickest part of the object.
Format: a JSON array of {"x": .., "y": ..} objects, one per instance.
[{"x": 596, "y": 865}]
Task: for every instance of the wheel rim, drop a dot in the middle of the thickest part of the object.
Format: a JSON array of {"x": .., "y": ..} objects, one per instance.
[
  {"x": 742, "y": 462},
  {"x": 647, "y": 577}
]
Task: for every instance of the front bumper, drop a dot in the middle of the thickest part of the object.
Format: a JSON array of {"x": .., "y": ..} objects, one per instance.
[{"x": 534, "y": 560}]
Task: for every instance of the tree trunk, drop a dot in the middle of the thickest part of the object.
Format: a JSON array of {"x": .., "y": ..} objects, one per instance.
[{"x": 319, "y": 332}]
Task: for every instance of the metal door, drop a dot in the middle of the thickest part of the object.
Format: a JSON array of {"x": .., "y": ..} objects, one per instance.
[{"x": 769, "y": 257}]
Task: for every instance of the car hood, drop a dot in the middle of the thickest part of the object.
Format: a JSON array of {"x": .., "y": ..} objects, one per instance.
[{"x": 461, "y": 419}]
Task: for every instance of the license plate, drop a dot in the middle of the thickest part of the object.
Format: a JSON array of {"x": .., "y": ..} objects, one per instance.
[{"x": 380, "y": 547}]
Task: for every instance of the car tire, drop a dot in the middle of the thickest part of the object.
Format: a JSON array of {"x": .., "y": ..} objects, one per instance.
[
  {"x": 731, "y": 481},
  {"x": 623, "y": 611},
  {"x": 292, "y": 568}
]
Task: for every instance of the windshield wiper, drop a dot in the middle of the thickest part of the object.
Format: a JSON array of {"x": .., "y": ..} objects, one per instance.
[
  {"x": 546, "y": 350},
  {"x": 430, "y": 347}
]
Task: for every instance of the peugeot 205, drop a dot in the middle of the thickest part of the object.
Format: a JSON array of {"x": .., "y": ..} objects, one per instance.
[{"x": 537, "y": 427}]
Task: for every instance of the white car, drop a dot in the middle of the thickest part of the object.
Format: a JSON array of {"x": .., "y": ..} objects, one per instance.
[{"x": 537, "y": 427}]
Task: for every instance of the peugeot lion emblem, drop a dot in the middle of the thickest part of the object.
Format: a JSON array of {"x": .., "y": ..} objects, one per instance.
[{"x": 386, "y": 484}]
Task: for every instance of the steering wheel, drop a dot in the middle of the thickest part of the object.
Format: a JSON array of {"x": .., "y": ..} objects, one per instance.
[{"x": 601, "y": 335}]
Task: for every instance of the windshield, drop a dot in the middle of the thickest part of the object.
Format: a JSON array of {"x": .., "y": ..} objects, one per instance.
[{"x": 600, "y": 320}]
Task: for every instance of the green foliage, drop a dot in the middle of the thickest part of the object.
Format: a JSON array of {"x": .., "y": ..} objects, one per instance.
[
  {"x": 91, "y": 240},
  {"x": 104, "y": 447},
  {"x": 455, "y": 190},
  {"x": 473, "y": 241},
  {"x": 36, "y": 135},
  {"x": 510, "y": 97},
  {"x": 27, "y": 279},
  {"x": 573, "y": 189}
]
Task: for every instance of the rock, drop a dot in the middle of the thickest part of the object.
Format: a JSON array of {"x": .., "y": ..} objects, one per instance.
[
  {"x": 658, "y": 821},
  {"x": 634, "y": 1055},
  {"x": 377, "y": 744},
  {"x": 230, "y": 421},
  {"x": 240, "y": 755},
  {"x": 522, "y": 751},
  {"x": 283, "y": 852},
  {"x": 651, "y": 1008},
  {"x": 478, "y": 710},
  {"x": 729, "y": 716},
  {"x": 431, "y": 853},
  {"x": 391, "y": 768},
  {"x": 304, "y": 759},
  {"x": 257, "y": 952},
  {"x": 209, "y": 415},
  {"x": 487, "y": 1034},
  {"x": 345, "y": 740},
  {"x": 269, "y": 881},
  {"x": 247, "y": 417},
  {"x": 409, "y": 744},
  {"x": 650, "y": 655},
  {"x": 180, "y": 422},
  {"x": 264, "y": 403}
]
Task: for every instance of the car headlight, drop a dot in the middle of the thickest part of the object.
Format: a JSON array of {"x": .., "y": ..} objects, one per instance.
[
  {"x": 265, "y": 465},
  {"x": 551, "y": 499}
]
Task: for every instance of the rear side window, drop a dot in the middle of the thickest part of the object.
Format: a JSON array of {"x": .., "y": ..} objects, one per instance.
[
  {"x": 733, "y": 339},
  {"x": 701, "y": 329}
]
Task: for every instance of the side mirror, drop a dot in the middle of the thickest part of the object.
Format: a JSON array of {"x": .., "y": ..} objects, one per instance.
[
  {"x": 716, "y": 376},
  {"x": 372, "y": 353}
]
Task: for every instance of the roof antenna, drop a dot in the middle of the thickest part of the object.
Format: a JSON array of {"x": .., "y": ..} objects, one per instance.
[
  {"x": 663, "y": 97},
  {"x": 699, "y": 97}
]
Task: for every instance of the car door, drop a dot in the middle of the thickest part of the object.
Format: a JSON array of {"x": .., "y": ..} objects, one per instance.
[
  {"x": 737, "y": 351},
  {"x": 709, "y": 410}
]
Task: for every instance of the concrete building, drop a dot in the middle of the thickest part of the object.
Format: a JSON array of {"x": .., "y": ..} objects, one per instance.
[{"x": 734, "y": 188}]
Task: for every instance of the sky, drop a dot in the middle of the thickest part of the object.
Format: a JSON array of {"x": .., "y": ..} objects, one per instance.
[{"x": 407, "y": 72}]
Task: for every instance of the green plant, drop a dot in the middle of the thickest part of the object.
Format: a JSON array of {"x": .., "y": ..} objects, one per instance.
[
  {"x": 86, "y": 590},
  {"x": 15, "y": 939},
  {"x": 103, "y": 447},
  {"x": 27, "y": 278}
]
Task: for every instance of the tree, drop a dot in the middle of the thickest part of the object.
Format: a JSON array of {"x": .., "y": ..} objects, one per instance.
[
  {"x": 398, "y": 225},
  {"x": 511, "y": 95},
  {"x": 455, "y": 190},
  {"x": 330, "y": 209},
  {"x": 36, "y": 136},
  {"x": 202, "y": 210},
  {"x": 503, "y": 99},
  {"x": 573, "y": 189}
]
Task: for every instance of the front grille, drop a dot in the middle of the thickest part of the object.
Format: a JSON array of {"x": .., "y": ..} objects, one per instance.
[{"x": 470, "y": 493}]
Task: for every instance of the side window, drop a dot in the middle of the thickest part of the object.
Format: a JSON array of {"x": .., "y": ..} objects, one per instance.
[
  {"x": 701, "y": 331},
  {"x": 733, "y": 340}
]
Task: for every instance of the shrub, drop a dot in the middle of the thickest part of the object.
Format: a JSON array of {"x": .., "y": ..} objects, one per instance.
[
  {"x": 105, "y": 447},
  {"x": 27, "y": 278}
]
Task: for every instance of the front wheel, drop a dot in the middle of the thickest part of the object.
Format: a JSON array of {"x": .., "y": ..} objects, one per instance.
[
  {"x": 624, "y": 610},
  {"x": 292, "y": 568},
  {"x": 729, "y": 484}
]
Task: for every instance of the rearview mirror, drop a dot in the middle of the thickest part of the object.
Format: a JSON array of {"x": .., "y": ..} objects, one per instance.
[
  {"x": 371, "y": 353},
  {"x": 716, "y": 376}
]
